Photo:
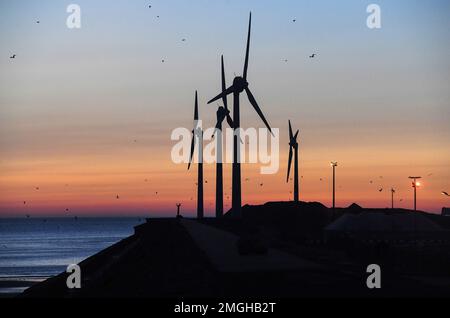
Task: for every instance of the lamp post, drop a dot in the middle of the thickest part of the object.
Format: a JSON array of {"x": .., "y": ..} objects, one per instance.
[
  {"x": 392, "y": 198},
  {"x": 415, "y": 184},
  {"x": 334, "y": 165}
]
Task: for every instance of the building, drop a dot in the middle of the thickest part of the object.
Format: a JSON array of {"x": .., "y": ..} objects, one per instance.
[{"x": 386, "y": 227}]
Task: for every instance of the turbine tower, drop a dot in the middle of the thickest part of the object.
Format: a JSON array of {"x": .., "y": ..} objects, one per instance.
[
  {"x": 197, "y": 133},
  {"x": 293, "y": 146},
  {"x": 240, "y": 84},
  {"x": 222, "y": 113},
  {"x": 415, "y": 185}
]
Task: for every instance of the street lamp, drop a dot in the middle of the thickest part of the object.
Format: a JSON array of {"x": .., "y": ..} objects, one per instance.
[
  {"x": 392, "y": 197},
  {"x": 415, "y": 184},
  {"x": 334, "y": 165}
]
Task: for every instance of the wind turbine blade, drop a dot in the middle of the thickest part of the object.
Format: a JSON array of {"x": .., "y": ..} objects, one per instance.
[
  {"x": 289, "y": 164},
  {"x": 219, "y": 120},
  {"x": 192, "y": 150},
  {"x": 228, "y": 91},
  {"x": 248, "y": 47},
  {"x": 230, "y": 121},
  {"x": 252, "y": 100},
  {"x": 196, "y": 106},
  {"x": 217, "y": 125},
  {"x": 296, "y": 134},
  {"x": 224, "y": 86},
  {"x": 291, "y": 135}
]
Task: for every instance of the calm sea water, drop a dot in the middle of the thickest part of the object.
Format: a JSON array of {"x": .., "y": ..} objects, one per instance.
[{"x": 45, "y": 247}]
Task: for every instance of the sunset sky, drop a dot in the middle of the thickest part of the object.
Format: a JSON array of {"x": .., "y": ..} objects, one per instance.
[{"x": 87, "y": 114}]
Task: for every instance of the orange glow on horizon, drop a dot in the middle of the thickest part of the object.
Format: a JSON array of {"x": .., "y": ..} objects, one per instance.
[{"x": 149, "y": 184}]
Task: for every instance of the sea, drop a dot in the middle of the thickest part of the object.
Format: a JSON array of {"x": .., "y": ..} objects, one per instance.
[{"x": 34, "y": 249}]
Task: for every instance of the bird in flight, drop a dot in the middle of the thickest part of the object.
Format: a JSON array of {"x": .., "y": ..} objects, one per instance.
[
  {"x": 13, "y": 57},
  {"x": 312, "y": 55},
  {"x": 38, "y": 21},
  {"x": 117, "y": 197},
  {"x": 446, "y": 194},
  {"x": 183, "y": 40},
  {"x": 294, "y": 20},
  {"x": 381, "y": 190}
]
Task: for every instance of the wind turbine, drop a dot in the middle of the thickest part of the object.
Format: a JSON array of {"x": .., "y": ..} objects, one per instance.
[
  {"x": 240, "y": 84},
  {"x": 197, "y": 132},
  {"x": 222, "y": 113},
  {"x": 293, "y": 146},
  {"x": 415, "y": 185}
]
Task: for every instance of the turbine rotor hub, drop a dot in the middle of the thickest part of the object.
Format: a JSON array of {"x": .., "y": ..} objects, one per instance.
[{"x": 240, "y": 84}]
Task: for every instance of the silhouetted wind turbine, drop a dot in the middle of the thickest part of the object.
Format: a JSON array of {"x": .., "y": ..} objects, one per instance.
[
  {"x": 293, "y": 146},
  {"x": 222, "y": 113},
  {"x": 415, "y": 185},
  {"x": 240, "y": 84},
  {"x": 197, "y": 132}
]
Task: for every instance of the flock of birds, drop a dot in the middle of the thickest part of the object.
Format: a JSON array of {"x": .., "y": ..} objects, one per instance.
[
  {"x": 67, "y": 210},
  {"x": 259, "y": 184},
  {"x": 182, "y": 40}
]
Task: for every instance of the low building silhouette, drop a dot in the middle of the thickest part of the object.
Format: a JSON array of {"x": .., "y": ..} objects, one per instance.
[{"x": 394, "y": 228}]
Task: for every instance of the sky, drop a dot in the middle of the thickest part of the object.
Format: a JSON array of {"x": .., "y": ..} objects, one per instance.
[{"x": 87, "y": 114}]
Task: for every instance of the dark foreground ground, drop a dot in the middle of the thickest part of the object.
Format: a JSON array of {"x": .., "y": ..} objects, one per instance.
[{"x": 164, "y": 259}]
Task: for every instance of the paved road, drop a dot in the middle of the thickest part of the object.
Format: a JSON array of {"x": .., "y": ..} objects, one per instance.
[{"x": 221, "y": 249}]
